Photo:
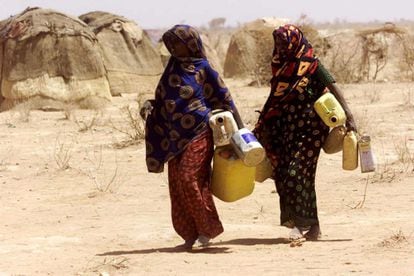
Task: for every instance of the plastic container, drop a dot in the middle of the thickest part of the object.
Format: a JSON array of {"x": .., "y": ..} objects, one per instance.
[
  {"x": 330, "y": 110},
  {"x": 223, "y": 126},
  {"x": 231, "y": 179},
  {"x": 366, "y": 156},
  {"x": 264, "y": 170},
  {"x": 246, "y": 146},
  {"x": 350, "y": 152},
  {"x": 335, "y": 140}
]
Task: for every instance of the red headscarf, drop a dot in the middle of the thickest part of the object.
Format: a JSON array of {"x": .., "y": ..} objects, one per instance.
[{"x": 293, "y": 62}]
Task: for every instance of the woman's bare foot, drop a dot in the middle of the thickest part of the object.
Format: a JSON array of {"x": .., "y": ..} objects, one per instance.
[
  {"x": 314, "y": 233},
  {"x": 295, "y": 234}
]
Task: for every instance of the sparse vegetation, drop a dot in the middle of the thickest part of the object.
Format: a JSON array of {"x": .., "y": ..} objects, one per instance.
[
  {"x": 397, "y": 239},
  {"x": 134, "y": 129},
  {"x": 89, "y": 122},
  {"x": 63, "y": 152},
  {"x": 105, "y": 179}
]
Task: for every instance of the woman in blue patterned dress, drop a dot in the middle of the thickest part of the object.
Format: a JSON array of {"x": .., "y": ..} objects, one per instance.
[{"x": 177, "y": 132}]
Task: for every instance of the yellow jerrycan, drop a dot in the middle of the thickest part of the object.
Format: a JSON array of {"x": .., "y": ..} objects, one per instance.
[
  {"x": 335, "y": 140},
  {"x": 231, "y": 179},
  {"x": 264, "y": 170},
  {"x": 350, "y": 152},
  {"x": 330, "y": 110}
]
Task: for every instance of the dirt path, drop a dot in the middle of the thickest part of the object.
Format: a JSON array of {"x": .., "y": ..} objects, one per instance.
[{"x": 102, "y": 213}]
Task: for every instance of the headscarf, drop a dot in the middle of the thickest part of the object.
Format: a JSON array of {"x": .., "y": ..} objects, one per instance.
[
  {"x": 292, "y": 68},
  {"x": 186, "y": 93},
  {"x": 184, "y": 42},
  {"x": 292, "y": 64}
]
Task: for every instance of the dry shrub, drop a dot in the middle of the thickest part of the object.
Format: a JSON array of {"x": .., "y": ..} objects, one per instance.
[
  {"x": 397, "y": 239},
  {"x": 402, "y": 166},
  {"x": 343, "y": 58},
  {"x": 87, "y": 122},
  {"x": 106, "y": 178},
  {"x": 404, "y": 155},
  {"x": 109, "y": 266},
  {"x": 408, "y": 100},
  {"x": 134, "y": 130},
  {"x": 406, "y": 64},
  {"x": 320, "y": 44},
  {"x": 62, "y": 152}
]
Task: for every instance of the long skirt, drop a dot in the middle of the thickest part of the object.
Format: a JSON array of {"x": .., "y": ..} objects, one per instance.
[
  {"x": 296, "y": 139},
  {"x": 192, "y": 206}
]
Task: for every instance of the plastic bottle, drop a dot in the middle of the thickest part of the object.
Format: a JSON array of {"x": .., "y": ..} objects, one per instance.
[
  {"x": 350, "y": 151},
  {"x": 330, "y": 110},
  {"x": 231, "y": 179},
  {"x": 247, "y": 147},
  {"x": 264, "y": 170},
  {"x": 223, "y": 126},
  {"x": 365, "y": 154},
  {"x": 335, "y": 140}
]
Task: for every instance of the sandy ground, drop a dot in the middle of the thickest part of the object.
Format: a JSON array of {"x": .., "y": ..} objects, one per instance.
[{"x": 74, "y": 204}]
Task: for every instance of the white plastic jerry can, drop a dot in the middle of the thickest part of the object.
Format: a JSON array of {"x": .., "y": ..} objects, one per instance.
[
  {"x": 249, "y": 150},
  {"x": 223, "y": 125}
]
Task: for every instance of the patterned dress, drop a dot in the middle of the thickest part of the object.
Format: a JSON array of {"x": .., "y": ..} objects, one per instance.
[
  {"x": 289, "y": 128},
  {"x": 177, "y": 132}
]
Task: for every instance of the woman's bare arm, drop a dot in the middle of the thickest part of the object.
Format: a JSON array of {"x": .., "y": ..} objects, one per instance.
[{"x": 350, "y": 121}]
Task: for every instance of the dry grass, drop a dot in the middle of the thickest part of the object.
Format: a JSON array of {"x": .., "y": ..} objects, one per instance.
[
  {"x": 106, "y": 178},
  {"x": 131, "y": 125},
  {"x": 109, "y": 266},
  {"x": 63, "y": 151},
  {"x": 360, "y": 204},
  {"x": 404, "y": 155},
  {"x": 87, "y": 122},
  {"x": 396, "y": 240},
  {"x": 408, "y": 99},
  {"x": 402, "y": 166}
]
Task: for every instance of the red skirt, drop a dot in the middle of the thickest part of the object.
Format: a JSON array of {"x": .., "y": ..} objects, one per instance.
[{"x": 192, "y": 206}]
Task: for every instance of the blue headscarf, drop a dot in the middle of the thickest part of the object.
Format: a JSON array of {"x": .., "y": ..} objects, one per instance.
[{"x": 189, "y": 89}]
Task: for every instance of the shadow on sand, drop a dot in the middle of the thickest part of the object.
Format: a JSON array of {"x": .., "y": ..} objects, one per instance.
[
  {"x": 215, "y": 248},
  {"x": 253, "y": 241},
  {"x": 177, "y": 249}
]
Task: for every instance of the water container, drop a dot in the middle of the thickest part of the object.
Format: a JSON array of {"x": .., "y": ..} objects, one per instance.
[
  {"x": 232, "y": 179},
  {"x": 335, "y": 140},
  {"x": 247, "y": 147},
  {"x": 350, "y": 152},
  {"x": 223, "y": 126},
  {"x": 330, "y": 110},
  {"x": 366, "y": 156},
  {"x": 264, "y": 170}
]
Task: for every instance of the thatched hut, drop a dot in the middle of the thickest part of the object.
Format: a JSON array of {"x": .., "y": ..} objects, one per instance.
[
  {"x": 128, "y": 52},
  {"x": 211, "y": 53},
  {"x": 48, "y": 55},
  {"x": 250, "y": 50}
]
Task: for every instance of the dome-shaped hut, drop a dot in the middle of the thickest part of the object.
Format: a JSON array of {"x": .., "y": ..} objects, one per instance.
[
  {"x": 250, "y": 50},
  {"x": 130, "y": 57},
  {"x": 48, "y": 55}
]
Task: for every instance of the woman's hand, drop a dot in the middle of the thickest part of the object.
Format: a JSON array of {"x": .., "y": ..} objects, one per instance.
[
  {"x": 350, "y": 124},
  {"x": 146, "y": 109}
]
